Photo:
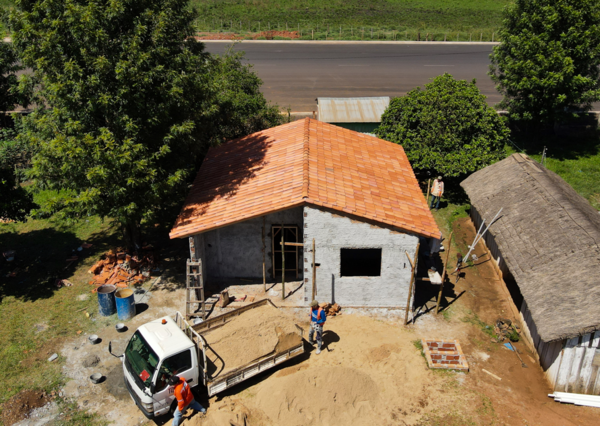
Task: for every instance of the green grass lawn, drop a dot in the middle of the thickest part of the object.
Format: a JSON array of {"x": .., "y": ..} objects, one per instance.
[{"x": 36, "y": 316}]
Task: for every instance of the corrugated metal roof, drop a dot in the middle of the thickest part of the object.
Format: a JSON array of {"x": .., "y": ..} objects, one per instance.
[{"x": 352, "y": 110}]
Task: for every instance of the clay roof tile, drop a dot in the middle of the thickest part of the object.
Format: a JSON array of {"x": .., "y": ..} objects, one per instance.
[{"x": 305, "y": 162}]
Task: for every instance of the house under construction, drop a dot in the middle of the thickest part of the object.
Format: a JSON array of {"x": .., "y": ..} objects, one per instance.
[{"x": 354, "y": 195}]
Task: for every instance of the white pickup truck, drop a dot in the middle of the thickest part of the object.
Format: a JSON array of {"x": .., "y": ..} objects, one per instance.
[{"x": 169, "y": 346}]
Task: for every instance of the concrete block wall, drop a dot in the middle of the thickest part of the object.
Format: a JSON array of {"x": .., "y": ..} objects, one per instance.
[
  {"x": 236, "y": 250},
  {"x": 333, "y": 232}
]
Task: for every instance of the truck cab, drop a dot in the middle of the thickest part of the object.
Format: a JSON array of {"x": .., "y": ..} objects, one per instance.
[{"x": 157, "y": 350}]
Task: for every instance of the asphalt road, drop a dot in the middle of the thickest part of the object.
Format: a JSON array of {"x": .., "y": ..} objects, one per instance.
[{"x": 295, "y": 75}]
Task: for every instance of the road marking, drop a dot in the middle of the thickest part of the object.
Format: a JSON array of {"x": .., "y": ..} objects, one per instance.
[
  {"x": 354, "y": 65},
  {"x": 438, "y": 65}
]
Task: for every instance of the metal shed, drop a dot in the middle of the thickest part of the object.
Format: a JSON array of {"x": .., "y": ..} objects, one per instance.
[{"x": 358, "y": 114}]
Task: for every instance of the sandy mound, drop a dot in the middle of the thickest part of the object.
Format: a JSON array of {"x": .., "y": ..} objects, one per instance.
[
  {"x": 322, "y": 395},
  {"x": 368, "y": 374},
  {"x": 252, "y": 335}
]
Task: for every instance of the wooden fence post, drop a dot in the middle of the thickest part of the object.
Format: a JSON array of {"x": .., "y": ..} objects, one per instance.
[
  {"x": 263, "y": 253},
  {"x": 410, "y": 286},
  {"x": 439, "y": 298},
  {"x": 314, "y": 273}
]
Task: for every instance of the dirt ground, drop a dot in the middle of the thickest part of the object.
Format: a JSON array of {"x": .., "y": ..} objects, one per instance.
[
  {"x": 110, "y": 397},
  {"x": 19, "y": 406},
  {"x": 370, "y": 372}
]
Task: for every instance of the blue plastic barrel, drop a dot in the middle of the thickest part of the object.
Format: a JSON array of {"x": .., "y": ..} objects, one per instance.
[
  {"x": 125, "y": 304},
  {"x": 106, "y": 299}
]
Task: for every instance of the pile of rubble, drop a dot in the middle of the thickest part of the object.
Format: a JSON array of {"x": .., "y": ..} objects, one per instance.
[
  {"x": 506, "y": 329},
  {"x": 121, "y": 269},
  {"x": 331, "y": 310}
]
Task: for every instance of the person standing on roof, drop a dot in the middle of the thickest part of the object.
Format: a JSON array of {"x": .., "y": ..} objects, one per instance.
[
  {"x": 185, "y": 399},
  {"x": 436, "y": 192},
  {"x": 317, "y": 319}
]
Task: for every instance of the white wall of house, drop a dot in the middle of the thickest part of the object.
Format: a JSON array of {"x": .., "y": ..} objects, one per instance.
[
  {"x": 235, "y": 251},
  {"x": 333, "y": 232},
  {"x": 571, "y": 365}
]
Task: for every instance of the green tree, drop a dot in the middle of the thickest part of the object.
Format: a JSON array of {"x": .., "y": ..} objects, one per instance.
[
  {"x": 15, "y": 202},
  {"x": 546, "y": 66},
  {"x": 133, "y": 102},
  {"x": 447, "y": 128}
]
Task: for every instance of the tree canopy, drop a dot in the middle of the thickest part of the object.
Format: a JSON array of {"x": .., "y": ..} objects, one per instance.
[
  {"x": 132, "y": 103},
  {"x": 15, "y": 202},
  {"x": 446, "y": 128},
  {"x": 546, "y": 66}
]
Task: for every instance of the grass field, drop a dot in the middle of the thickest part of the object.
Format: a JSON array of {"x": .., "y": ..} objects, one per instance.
[
  {"x": 462, "y": 20},
  {"x": 438, "y": 17},
  {"x": 36, "y": 316}
]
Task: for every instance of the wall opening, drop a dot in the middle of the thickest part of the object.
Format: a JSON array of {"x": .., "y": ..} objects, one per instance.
[{"x": 360, "y": 262}]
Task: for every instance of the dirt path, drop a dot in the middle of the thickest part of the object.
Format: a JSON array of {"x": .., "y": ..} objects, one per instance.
[{"x": 521, "y": 396}]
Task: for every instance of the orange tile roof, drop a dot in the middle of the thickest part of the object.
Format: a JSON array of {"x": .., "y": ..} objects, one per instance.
[{"x": 305, "y": 162}]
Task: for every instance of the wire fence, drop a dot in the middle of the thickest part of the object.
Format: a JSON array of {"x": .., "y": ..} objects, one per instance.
[{"x": 303, "y": 31}]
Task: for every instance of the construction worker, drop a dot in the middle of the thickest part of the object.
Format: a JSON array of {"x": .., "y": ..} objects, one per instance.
[
  {"x": 436, "y": 192},
  {"x": 317, "y": 319},
  {"x": 185, "y": 399}
]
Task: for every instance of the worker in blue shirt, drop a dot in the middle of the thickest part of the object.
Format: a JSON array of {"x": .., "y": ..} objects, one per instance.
[{"x": 317, "y": 319}]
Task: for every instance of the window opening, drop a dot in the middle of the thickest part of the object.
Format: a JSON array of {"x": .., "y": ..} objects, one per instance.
[
  {"x": 175, "y": 364},
  {"x": 360, "y": 262}
]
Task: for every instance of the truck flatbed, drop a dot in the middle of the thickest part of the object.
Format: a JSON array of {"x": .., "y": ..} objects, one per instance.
[{"x": 242, "y": 343}]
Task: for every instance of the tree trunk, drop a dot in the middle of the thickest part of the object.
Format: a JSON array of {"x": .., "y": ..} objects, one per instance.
[{"x": 132, "y": 233}]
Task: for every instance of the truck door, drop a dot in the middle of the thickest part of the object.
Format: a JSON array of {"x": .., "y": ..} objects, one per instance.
[{"x": 180, "y": 364}]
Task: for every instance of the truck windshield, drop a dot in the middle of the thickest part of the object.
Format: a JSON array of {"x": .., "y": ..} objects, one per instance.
[{"x": 142, "y": 358}]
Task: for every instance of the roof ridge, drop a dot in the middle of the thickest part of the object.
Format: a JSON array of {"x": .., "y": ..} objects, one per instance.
[{"x": 305, "y": 141}]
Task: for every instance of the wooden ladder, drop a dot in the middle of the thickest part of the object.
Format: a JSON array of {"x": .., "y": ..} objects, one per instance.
[{"x": 194, "y": 283}]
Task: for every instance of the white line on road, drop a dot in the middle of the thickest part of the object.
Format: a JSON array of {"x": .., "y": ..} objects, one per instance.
[
  {"x": 354, "y": 65},
  {"x": 438, "y": 65}
]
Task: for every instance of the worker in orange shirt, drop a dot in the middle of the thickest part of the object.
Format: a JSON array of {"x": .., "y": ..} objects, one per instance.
[{"x": 185, "y": 399}]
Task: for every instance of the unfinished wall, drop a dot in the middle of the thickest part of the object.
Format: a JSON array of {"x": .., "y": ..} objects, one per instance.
[
  {"x": 235, "y": 251},
  {"x": 333, "y": 232}
]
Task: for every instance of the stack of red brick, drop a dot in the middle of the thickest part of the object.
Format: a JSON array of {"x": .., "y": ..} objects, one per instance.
[
  {"x": 121, "y": 269},
  {"x": 331, "y": 310},
  {"x": 444, "y": 354}
]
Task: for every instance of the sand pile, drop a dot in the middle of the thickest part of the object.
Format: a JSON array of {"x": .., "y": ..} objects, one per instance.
[
  {"x": 252, "y": 335},
  {"x": 320, "y": 395},
  {"x": 372, "y": 375}
]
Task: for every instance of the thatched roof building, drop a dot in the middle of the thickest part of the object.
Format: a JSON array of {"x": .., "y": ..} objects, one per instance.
[{"x": 549, "y": 238}]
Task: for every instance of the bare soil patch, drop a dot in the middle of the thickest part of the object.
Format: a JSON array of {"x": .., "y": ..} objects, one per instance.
[{"x": 20, "y": 405}]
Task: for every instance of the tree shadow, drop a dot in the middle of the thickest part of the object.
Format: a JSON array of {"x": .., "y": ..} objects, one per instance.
[
  {"x": 426, "y": 294},
  {"x": 570, "y": 141},
  {"x": 41, "y": 259},
  {"x": 223, "y": 170}
]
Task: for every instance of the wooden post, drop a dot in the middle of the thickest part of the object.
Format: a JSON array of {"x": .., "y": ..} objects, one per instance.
[
  {"x": 428, "y": 188},
  {"x": 439, "y": 298},
  {"x": 282, "y": 265},
  {"x": 410, "y": 286},
  {"x": 314, "y": 273},
  {"x": 263, "y": 250}
]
